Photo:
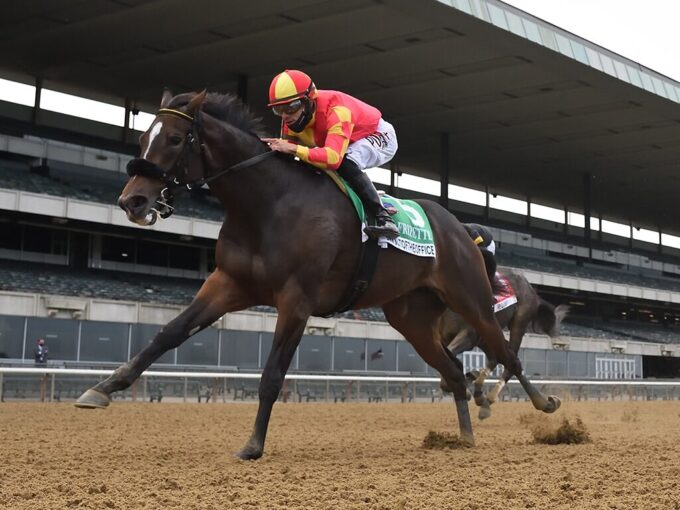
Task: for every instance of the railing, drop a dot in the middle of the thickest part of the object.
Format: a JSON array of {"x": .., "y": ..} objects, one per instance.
[{"x": 56, "y": 384}]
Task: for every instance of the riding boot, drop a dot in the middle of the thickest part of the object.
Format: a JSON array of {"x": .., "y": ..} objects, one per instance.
[{"x": 384, "y": 224}]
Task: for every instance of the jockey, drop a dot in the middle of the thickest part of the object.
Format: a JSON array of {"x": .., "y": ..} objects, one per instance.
[
  {"x": 334, "y": 131},
  {"x": 482, "y": 237}
]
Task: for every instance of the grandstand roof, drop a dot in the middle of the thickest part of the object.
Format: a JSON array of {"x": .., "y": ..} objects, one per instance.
[{"x": 529, "y": 107}]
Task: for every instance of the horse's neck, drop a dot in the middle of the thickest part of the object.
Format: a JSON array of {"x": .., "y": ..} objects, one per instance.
[{"x": 253, "y": 191}]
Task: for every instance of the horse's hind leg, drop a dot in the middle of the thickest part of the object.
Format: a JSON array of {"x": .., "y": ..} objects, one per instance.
[
  {"x": 416, "y": 317},
  {"x": 464, "y": 294},
  {"x": 217, "y": 296},
  {"x": 517, "y": 329},
  {"x": 481, "y": 398}
]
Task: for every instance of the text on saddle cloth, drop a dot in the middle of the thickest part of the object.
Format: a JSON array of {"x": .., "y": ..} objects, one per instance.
[
  {"x": 506, "y": 296},
  {"x": 415, "y": 233}
]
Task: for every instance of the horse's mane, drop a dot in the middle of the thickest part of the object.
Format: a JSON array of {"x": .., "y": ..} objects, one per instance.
[{"x": 225, "y": 107}]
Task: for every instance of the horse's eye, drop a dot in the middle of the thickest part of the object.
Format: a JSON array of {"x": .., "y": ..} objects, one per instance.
[{"x": 175, "y": 140}]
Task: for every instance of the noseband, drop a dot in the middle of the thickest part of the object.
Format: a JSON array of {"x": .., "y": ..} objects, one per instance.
[{"x": 173, "y": 184}]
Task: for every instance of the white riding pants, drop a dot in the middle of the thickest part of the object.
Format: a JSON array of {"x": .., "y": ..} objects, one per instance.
[{"x": 376, "y": 149}]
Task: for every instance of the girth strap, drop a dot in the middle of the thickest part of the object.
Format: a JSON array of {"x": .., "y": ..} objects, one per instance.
[{"x": 368, "y": 260}]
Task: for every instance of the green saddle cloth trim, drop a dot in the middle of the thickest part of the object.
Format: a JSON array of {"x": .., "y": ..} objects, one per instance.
[{"x": 414, "y": 227}]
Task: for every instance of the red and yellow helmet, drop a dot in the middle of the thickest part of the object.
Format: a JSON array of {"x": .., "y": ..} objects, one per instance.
[{"x": 289, "y": 86}]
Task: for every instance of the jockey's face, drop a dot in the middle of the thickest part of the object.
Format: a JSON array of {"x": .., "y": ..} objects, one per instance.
[{"x": 291, "y": 118}]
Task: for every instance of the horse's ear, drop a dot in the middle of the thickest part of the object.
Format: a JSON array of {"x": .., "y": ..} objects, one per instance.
[
  {"x": 196, "y": 102},
  {"x": 165, "y": 100}
]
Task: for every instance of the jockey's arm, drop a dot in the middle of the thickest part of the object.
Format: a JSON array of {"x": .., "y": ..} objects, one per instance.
[{"x": 329, "y": 157}]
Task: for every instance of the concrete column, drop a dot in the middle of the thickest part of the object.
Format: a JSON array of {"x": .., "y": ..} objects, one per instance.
[
  {"x": 36, "y": 106},
  {"x": 393, "y": 174}
]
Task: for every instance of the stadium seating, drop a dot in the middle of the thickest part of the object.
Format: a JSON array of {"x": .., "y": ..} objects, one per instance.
[
  {"x": 547, "y": 264},
  {"x": 64, "y": 281},
  {"x": 198, "y": 204},
  {"x": 27, "y": 277}
]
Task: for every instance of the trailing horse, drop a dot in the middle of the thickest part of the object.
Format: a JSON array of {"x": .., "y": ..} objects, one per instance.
[
  {"x": 291, "y": 240},
  {"x": 530, "y": 313}
]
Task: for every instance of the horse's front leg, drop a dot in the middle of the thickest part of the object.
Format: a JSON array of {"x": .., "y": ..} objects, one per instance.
[
  {"x": 218, "y": 295},
  {"x": 293, "y": 314}
]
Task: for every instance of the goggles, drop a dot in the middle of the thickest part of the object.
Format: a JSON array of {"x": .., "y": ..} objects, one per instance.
[{"x": 287, "y": 108}]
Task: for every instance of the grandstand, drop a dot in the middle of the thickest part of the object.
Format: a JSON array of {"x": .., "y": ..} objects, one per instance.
[{"x": 73, "y": 270}]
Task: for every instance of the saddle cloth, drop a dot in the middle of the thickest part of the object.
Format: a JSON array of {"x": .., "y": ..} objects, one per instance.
[
  {"x": 415, "y": 233},
  {"x": 506, "y": 296}
]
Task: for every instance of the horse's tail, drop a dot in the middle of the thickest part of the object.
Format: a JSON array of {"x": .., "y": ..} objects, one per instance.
[
  {"x": 548, "y": 318},
  {"x": 491, "y": 266}
]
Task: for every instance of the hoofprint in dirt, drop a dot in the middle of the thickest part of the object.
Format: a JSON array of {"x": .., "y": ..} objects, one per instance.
[{"x": 342, "y": 456}]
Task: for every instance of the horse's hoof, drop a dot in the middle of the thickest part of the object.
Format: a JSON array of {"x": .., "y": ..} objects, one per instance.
[
  {"x": 467, "y": 440},
  {"x": 249, "y": 453},
  {"x": 553, "y": 405},
  {"x": 93, "y": 399},
  {"x": 484, "y": 412}
]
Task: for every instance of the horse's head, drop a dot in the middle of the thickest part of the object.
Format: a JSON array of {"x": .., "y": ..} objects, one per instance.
[{"x": 170, "y": 158}]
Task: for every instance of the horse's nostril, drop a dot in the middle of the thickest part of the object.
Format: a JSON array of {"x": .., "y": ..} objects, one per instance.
[{"x": 133, "y": 203}]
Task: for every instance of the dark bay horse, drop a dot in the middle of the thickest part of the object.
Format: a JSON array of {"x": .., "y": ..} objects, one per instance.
[
  {"x": 530, "y": 313},
  {"x": 291, "y": 240}
]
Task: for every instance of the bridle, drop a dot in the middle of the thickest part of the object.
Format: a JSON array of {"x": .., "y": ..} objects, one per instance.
[{"x": 180, "y": 167}]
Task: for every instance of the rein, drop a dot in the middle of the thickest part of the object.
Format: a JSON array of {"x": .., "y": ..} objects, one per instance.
[{"x": 146, "y": 168}]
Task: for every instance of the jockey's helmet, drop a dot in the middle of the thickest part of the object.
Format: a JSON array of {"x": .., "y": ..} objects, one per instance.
[{"x": 290, "y": 85}]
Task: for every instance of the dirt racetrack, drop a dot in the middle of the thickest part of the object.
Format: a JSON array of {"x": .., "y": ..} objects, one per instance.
[{"x": 334, "y": 456}]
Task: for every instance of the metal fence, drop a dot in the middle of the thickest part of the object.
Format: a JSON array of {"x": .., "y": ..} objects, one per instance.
[{"x": 63, "y": 384}]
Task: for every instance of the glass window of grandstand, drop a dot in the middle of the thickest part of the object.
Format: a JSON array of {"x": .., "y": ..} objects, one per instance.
[
  {"x": 152, "y": 254},
  {"x": 11, "y": 336},
  {"x": 408, "y": 359},
  {"x": 10, "y": 236},
  {"x": 210, "y": 260},
  {"x": 557, "y": 363},
  {"x": 104, "y": 341},
  {"x": 61, "y": 337},
  {"x": 184, "y": 257},
  {"x": 241, "y": 349},
  {"x": 578, "y": 364},
  {"x": 142, "y": 335},
  {"x": 349, "y": 354},
  {"x": 43, "y": 240},
  {"x": 381, "y": 355},
  {"x": 199, "y": 349},
  {"x": 118, "y": 249},
  {"x": 314, "y": 353},
  {"x": 534, "y": 362}
]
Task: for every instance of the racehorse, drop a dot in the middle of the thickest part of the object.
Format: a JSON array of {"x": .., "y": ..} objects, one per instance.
[
  {"x": 291, "y": 240},
  {"x": 529, "y": 313}
]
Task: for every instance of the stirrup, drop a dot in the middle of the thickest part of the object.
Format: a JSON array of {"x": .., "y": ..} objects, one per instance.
[{"x": 388, "y": 229}]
